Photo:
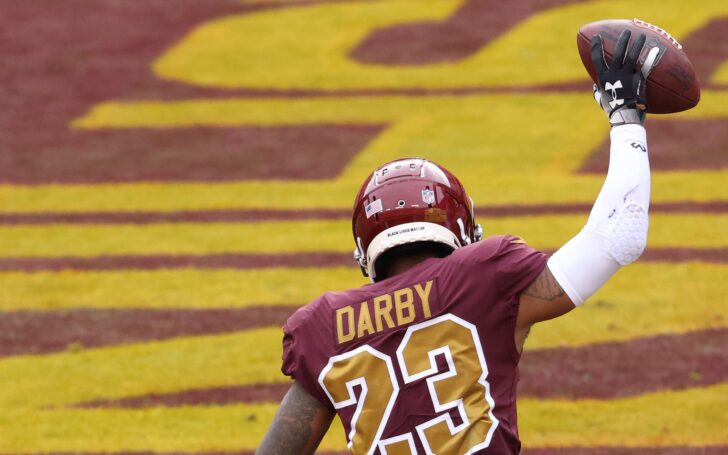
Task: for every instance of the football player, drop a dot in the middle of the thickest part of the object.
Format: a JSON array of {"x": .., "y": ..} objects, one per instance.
[{"x": 425, "y": 359}]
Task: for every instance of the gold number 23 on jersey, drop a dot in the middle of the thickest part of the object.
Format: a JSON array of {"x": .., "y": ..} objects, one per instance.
[{"x": 462, "y": 388}]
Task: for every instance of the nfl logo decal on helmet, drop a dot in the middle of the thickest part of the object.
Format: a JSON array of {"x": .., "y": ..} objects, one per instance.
[
  {"x": 406, "y": 201},
  {"x": 428, "y": 196}
]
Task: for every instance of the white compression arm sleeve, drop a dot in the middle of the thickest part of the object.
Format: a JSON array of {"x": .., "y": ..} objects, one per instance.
[{"x": 616, "y": 231}]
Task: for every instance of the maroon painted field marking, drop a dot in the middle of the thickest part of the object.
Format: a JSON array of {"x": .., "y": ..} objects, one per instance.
[
  {"x": 59, "y": 73},
  {"x": 294, "y": 152},
  {"x": 191, "y": 216},
  {"x": 213, "y": 396},
  {"x": 467, "y": 30},
  {"x": 708, "y": 49},
  {"x": 585, "y": 208},
  {"x": 156, "y": 262},
  {"x": 259, "y": 261},
  {"x": 602, "y": 371},
  {"x": 415, "y": 92},
  {"x": 711, "y": 255},
  {"x": 48, "y": 331},
  {"x": 675, "y": 145},
  {"x": 257, "y": 215},
  {"x": 628, "y": 368}
]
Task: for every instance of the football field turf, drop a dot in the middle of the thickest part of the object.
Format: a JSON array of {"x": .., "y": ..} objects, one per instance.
[{"x": 176, "y": 178}]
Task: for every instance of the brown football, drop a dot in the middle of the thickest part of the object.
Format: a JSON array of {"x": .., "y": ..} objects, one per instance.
[{"x": 672, "y": 86}]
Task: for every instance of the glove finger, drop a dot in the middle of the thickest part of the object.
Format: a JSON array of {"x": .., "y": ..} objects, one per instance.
[
  {"x": 634, "y": 52},
  {"x": 620, "y": 49},
  {"x": 650, "y": 61},
  {"x": 597, "y": 55}
]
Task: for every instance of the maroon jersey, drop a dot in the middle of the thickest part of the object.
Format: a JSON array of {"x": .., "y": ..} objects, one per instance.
[{"x": 425, "y": 361}]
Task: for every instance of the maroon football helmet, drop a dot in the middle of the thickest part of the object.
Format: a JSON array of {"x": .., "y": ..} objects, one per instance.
[{"x": 410, "y": 200}]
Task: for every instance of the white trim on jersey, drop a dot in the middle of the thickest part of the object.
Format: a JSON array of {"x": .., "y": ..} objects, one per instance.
[
  {"x": 431, "y": 380},
  {"x": 352, "y": 398}
]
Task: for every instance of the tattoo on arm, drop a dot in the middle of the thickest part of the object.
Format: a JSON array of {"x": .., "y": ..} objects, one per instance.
[
  {"x": 545, "y": 287},
  {"x": 298, "y": 426}
]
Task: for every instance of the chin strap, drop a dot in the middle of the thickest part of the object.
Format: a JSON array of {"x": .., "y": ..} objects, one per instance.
[{"x": 360, "y": 257}]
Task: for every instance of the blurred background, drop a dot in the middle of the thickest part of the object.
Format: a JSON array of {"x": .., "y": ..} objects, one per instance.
[{"x": 177, "y": 176}]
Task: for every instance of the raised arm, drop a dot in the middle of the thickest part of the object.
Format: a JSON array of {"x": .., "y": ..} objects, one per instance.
[
  {"x": 616, "y": 232},
  {"x": 298, "y": 426}
]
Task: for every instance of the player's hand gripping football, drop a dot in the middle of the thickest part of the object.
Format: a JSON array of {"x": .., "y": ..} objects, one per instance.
[{"x": 622, "y": 88}]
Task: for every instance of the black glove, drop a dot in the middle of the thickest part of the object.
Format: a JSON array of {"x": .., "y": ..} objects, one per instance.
[{"x": 622, "y": 90}]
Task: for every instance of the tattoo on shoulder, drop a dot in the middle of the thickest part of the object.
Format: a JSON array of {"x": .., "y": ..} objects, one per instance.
[
  {"x": 545, "y": 287},
  {"x": 291, "y": 432}
]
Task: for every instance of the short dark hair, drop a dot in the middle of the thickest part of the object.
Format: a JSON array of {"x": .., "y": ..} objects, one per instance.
[{"x": 383, "y": 264}]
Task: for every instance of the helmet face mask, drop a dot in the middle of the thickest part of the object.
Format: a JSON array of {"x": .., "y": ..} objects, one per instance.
[{"x": 406, "y": 201}]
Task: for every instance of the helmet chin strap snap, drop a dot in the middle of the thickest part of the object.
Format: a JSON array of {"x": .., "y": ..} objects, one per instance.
[
  {"x": 463, "y": 235},
  {"x": 361, "y": 260},
  {"x": 360, "y": 257},
  {"x": 478, "y": 232}
]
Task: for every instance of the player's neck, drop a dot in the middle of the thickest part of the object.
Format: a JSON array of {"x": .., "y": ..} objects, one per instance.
[{"x": 404, "y": 263}]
